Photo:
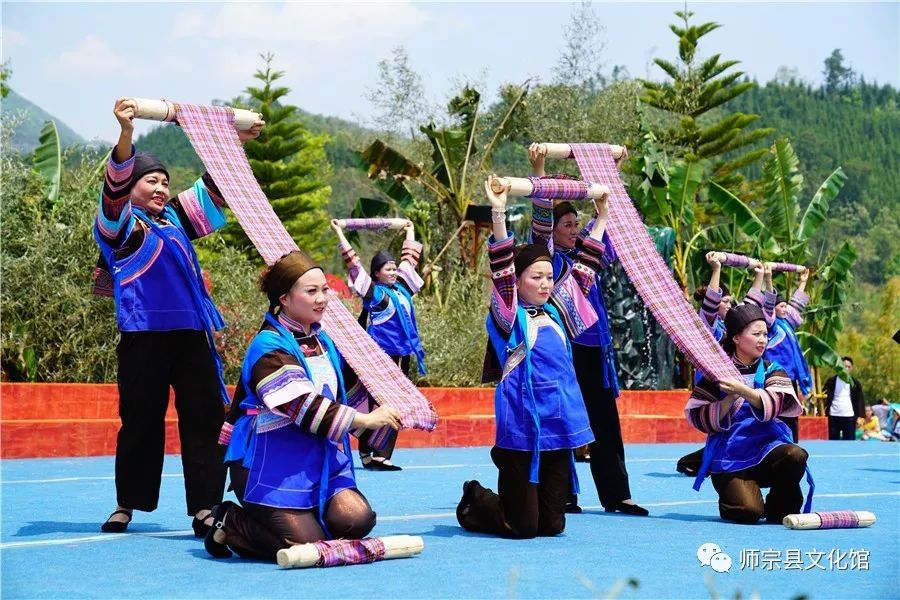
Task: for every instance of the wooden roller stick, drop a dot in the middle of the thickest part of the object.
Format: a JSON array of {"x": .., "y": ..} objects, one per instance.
[
  {"x": 307, "y": 555},
  {"x": 163, "y": 110}
]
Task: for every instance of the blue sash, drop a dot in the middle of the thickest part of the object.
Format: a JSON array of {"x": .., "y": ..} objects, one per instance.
[
  {"x": 408, "y": 328},
  {"x": 715, "y": 441}
]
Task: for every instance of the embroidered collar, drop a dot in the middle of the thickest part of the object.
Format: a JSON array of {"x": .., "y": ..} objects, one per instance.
[
  {"x": 741, "y": 365},
  {"x": 296, "y": 326}
]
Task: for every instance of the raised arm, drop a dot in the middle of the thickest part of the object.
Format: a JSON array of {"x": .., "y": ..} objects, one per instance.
[
  {"x": 755, "y": 295},
  {"x": 410, "y": 253},
  {"x": 709, "y": 308},
  {"x": 541, "y": 208},
  {"x": 360, "y": 280},
  {"x": 799, "y": 300},
  {"x": 590, "y": 255},
  {"x": 114, "y": 213},
  {"x": 500, "y": 256}
]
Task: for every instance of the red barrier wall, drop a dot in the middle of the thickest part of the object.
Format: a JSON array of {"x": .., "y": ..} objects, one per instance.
[{"x": 77, "y": 419}]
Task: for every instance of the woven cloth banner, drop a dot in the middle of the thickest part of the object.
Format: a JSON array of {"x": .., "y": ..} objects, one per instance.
[
  {"x": 647, "y": 271},
  {"x": 373, "y": 224},
  {"x": 742, "y": 262},
  {"x": 212, "y": 134},
  {"x": 736, "y": 260},
  {"x": 559, "y": 189},
  {"x": 787, "y": 267}
]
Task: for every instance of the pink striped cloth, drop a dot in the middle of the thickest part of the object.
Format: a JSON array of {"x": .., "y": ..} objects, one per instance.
[
  {"x": 334, "y": 553},
  {"x": 213, "y": 136},
  {"x": 838, "y": 519},
  {"x": 743, "y": 262},
  {"x": 736, "y": 260},
  {"x": 558, "y": 189},
  {"x": 211, "y": 132},
  {"x": 787, "y": 267},
  {"x": 647, "y": 271},
  {"x": 373, "y": 224}
]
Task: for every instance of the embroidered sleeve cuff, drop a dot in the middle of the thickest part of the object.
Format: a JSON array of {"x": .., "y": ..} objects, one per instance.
[
  {"x": 122, "y": 170},
  {"x": 340, "y": 423},
  {"x": 799, "y": 300}
]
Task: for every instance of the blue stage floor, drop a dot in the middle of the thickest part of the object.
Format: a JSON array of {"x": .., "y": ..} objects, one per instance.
[{"x": 51, "y": 546}]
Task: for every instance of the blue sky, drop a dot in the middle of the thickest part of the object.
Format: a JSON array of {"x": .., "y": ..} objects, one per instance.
[{"x": 74, "y": 59}]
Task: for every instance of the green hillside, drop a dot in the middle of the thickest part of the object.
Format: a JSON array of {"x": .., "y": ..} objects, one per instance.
[{"x": 29, "y": 118}]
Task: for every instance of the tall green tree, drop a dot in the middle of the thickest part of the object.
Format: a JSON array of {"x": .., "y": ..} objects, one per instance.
[
  {"x": 838, "y": 76},
  {"x": 782, "y": 232},
  {"x": 290, "y": 165},
  {"x": 5, "y": 72},
  {"x": 461, "y": 154},
  {"x": 691, "y": 128}
]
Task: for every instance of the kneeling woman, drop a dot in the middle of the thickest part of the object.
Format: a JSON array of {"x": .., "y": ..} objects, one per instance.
[
  {"x": 294, "y": 405},
  {"x": 540, "y": 412},
  {"x": 748, "y": 446}
]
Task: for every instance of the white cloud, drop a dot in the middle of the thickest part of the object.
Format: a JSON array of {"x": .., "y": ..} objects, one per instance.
[
  {"x": 10, "y": 38},
  {"x": 93, "y": 56},
  {"x": 317, "y": 25}
]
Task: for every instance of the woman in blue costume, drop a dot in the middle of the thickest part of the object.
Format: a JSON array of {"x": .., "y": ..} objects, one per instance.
[
  {"x": 388, "y": 314},
  {"x": 748, "y": 447},
  {"x": 784, "y": 348},
  {"x": 715, "y": 302},
  {"x": 166, "y": 321},
  {"x": 295, "y": 405},
  {"x": 540, "y": 413},
  {"x": 593, "y": 354}
]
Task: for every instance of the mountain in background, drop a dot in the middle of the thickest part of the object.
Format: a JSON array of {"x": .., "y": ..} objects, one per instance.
[{"x": 33, "y": 117}]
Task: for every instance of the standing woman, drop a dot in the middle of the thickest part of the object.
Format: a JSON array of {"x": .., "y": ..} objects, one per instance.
[
  {"x": 165, "y": 319},
  {"x": 748, "y": 447},
  {"x": 540, "y": 413},
  {"x": 297, "y": 399},
  {"x": 593, "y": 355},
  {"x": 387, "y": 291}
]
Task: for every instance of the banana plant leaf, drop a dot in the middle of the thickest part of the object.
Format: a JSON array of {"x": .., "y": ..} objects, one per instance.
[
  {"x": 745, "y": 219},
  {"x": 817, "y": 210},
  {"x": 782, "y": 185},
  {"x": 820, "y": 354},
  {"x": 47, "y": 159}
]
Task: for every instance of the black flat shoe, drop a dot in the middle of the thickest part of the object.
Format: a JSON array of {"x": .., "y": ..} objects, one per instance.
[
  {"x": 116, "y": 526},
  {"x": 200, "y": 526},
  {"x": 214, "y": 542},
  {"x": 572, "y": 508},
  {"x": 629, "y": 509},
  {"x": 377, "y": 463},
  {"x": 469, "y": 488}
]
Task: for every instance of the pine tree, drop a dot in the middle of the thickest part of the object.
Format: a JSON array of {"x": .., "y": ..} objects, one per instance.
[
  {"x": 694, "y": 91},
  {"x": 290, "y": 165}
]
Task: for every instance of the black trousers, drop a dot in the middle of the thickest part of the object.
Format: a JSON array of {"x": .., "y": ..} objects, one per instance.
[
  {"x": 150, "y": 362},
  {"x": 258, "y": 531},
  {"x": 793, "y": 424},
  {"x": 607, "y": 450},
  {"x": 522, "y": 509},
  {"x": 387, "y": 451},
  {"x": 740, "y": 498},
  {"x": 841, "y": 428}
]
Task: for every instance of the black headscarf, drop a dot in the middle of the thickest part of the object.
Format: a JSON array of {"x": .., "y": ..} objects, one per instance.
[
  {"x": 145, "y": 162},
  {"x": 528, "y": 255},
  {"x": 562, "y": 209},
  {"x": 736, "y": 320},
  {"x": 382, "y": 258}
]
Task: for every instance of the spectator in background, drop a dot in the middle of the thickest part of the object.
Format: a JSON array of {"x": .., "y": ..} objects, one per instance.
[{"x": 844, "y": 403}]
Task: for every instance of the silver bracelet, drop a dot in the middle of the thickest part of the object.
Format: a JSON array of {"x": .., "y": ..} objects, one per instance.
[{"x": 498, "y": 215}]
